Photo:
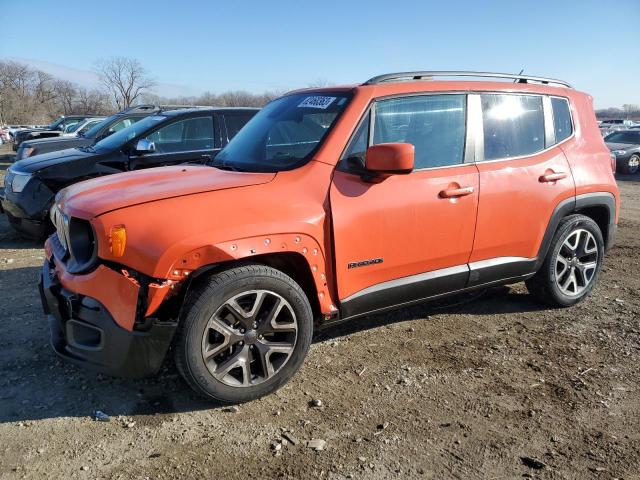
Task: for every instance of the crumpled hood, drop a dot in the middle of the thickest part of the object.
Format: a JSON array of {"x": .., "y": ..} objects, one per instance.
[
  {"x": 104, "y": 194},
  {"x": 44, "y": 160}
]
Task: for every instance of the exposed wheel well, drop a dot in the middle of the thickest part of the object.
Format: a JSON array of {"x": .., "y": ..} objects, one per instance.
[
  {"x": 289, "y": 263},
  {"x": 600, "y": 215}
]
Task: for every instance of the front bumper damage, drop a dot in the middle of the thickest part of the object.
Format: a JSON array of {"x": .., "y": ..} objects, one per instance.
[{"x": 92, "y": 318}]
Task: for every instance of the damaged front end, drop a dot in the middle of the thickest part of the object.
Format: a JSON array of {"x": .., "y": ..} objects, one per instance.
[{"x": 102, "y": 315}]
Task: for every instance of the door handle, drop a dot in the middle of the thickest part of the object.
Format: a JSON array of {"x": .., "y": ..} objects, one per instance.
[
  {"x": 456, "y": 192},
  {"x": 552, "y": 177}
]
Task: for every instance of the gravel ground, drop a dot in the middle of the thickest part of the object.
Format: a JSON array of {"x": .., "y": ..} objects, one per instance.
[{"x": 494, "y": 386}]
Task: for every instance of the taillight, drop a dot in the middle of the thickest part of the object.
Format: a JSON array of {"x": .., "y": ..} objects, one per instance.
[{"x": 613, "y": 162}]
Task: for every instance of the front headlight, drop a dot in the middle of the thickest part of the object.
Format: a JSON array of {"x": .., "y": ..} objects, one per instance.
[
  {"x": 619, "y": 152},
  {"x": 20, "y": 181}
]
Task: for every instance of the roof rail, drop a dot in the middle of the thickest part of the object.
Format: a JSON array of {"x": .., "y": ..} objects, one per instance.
[
  {"x": 407, "y": 76},
  {"x": 154, "y": 108},
  {"x": 178, "y": 107}
]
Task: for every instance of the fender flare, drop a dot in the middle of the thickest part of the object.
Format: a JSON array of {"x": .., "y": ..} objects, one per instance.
[
  {"x": 246, "y": 248},
  {"x": 575, "y": 204}
]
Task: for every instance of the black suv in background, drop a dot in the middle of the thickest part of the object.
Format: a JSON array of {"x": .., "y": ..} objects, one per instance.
[
  {"x": 108, "y": 126},
  {"x": 53, "y": 130},
  {"x": 168, "y": 137}
]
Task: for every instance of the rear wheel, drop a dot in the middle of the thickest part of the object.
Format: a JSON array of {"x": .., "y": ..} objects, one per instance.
[
  {"x": 572, "y": 265},
  {"x": 632, "y": 165},
  {"x": 244, "y": 334}
]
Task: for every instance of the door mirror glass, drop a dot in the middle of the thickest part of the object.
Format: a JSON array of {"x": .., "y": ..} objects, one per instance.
[
  {"x": 390, "y": 158},
  {"x": 145, "y": 145}
]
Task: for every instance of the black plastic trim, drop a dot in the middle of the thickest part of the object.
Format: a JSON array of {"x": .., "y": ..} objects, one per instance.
[
  {"x": 404, "y": 291},
  {"x": 109, "y": 348}
]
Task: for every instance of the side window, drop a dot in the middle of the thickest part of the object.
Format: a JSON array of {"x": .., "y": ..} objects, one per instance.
[
  {"x": 513, "y": 125},
  {"x": 561, "y": 118},
  {"x": 354, "y": 156},
  {"x": 184, "y": 136},
  {"x": 235, "y": 122},
  {"x": 433, "y": 124}
]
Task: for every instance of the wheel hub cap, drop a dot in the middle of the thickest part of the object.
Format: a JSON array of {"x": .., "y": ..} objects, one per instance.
[
  {"x": 576, "y": 262},
  {"x": 249, "y": 338}
]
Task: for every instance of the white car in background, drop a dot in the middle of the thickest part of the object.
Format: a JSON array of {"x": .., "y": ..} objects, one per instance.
[{"x": 77, "y": 129}]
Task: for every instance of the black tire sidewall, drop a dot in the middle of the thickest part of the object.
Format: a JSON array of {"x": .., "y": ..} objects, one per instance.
[
  {"x": 223, "y": 287},
  {"x": 565, "y": 229}
]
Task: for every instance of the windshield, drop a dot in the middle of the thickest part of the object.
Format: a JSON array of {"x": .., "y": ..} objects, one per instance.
[
  {"x": 73, "y": 127},
  {"x": 118, "y": 139},
  {"x": 85, "y": 127},
  {"x": 55, "y": 124},
  {"x": 623, "y": 137},
  {"x": 95, "y": 129},
  {"x": 284, "y": 134}
]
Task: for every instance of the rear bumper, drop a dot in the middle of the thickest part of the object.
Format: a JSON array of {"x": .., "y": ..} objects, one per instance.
[{"x": 83, "y": 331}]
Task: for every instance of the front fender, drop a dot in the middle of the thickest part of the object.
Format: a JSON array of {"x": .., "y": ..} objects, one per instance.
[{"x": 246, "y": 248}]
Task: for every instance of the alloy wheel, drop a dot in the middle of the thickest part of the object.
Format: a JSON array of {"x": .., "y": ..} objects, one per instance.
[
  {"x": 576, "y": 262},
  {"x": 249, "y": 338},
  {"x": 633, "y": 164}
]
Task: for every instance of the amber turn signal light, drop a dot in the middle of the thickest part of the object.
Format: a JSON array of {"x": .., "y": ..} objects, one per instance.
[{"x": 118, "y": 240}]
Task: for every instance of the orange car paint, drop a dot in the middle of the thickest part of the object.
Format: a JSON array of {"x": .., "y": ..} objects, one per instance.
[{"x": 180, "y": 219}]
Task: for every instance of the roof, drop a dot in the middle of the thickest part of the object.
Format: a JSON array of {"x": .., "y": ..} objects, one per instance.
[{"x": 206, "y": 109}]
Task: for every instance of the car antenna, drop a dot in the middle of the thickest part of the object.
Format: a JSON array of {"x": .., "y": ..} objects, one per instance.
[{"x": 519, "y": 73}]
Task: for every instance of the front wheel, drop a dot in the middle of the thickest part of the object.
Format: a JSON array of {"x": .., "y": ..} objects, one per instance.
[
  {"x": 572, "y": 265},
  {"x": 244, "y": 334}
]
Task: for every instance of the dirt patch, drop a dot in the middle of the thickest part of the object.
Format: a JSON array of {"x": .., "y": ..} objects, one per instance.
[{"x": 494, "y": 386}]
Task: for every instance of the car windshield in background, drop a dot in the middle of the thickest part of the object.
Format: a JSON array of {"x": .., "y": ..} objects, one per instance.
[
  {"x": 284, "y": 134},
  {"x": 624, "y": 137},
  {"x": 95, "y": 129},
  {"x": 55, "y": 124},
  {"x": 118, "y": 139}
]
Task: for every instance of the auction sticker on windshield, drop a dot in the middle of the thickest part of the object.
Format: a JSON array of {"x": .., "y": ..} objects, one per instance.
[{"x": 316, "y": 102}]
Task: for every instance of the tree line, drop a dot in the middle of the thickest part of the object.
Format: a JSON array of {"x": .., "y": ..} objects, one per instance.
[
  {"x": 31, "y": 96},
  {"x": 628, "y": 111}
]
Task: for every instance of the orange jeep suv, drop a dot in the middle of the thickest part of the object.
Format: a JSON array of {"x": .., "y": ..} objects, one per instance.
[{"x": 329, "y": 205}]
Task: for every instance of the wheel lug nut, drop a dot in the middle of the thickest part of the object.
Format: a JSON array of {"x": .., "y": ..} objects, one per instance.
[
  {"x": 260, "y": 337},
  {"x": 242, "y": 330},
  {"x": 241, "y": 343},
  {"x": 255, "y": 325}
]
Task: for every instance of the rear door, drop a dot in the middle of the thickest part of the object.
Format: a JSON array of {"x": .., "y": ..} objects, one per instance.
[
  {"x": 524, "y": 175},
  {"x": 405, "y": 238},
  {"x": 184, "y": 140}
]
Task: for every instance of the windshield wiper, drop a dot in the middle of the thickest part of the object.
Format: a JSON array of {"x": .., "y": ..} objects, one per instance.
[{"x": 223, "y": 166}]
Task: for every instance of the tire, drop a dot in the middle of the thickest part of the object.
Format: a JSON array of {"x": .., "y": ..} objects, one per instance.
[
  {"x": 561, "y": 262},
  {"x": 632, "y": 165},
  {"x": 272, "y": 339}
]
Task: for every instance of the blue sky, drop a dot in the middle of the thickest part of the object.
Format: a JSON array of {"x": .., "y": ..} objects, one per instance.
[{"x": 194, "y": 46}]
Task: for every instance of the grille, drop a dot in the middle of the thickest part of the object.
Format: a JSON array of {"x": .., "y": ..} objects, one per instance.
[{"x": 61, "y": 222}]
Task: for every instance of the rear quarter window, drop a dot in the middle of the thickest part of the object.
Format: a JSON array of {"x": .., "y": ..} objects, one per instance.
[{"x": 561, "y": 118}]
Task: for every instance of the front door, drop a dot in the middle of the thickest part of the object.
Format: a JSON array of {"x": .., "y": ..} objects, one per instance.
[
  {"x": 186, "y": 140},
  {"x": 410, "y": 236}
]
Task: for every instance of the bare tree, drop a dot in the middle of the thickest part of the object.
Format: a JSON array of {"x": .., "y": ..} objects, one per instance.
[
  {"x": 66, "y": 94},
  {"x": 124, "y": 78},
  {"x": 91, "y": 101}
]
